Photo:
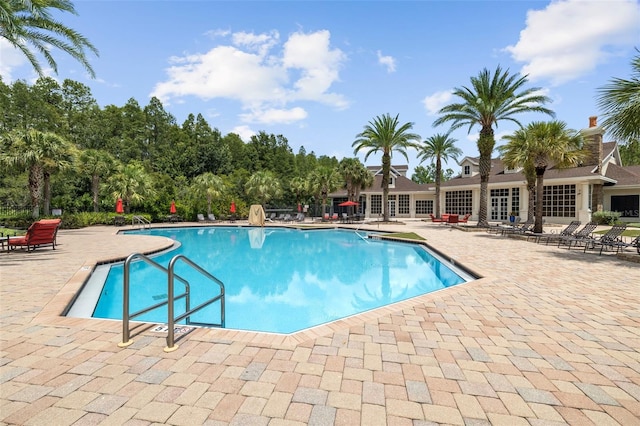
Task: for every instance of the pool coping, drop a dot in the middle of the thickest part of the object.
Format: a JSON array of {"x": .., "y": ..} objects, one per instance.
[{"x": 54, "y": 311}]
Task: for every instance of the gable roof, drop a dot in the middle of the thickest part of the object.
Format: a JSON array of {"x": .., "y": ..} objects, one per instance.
[
  {"x": 398, "y": 170},
  {"x": 402, "y": 183},
  {"x": 497, "y": 175},
  {"x": 624, "y": 176}
]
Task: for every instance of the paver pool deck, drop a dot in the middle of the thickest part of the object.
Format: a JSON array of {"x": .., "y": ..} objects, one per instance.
[{"x": 548, "y": 336}]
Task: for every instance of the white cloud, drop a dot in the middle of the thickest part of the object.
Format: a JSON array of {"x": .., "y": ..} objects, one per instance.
[
  {"x": 318, "y": 64},
  {"x": 260, "y": 43},
  {"x": 571, "y": 37},
  {"x": 388, "y": 61},
  {"x": 245, "y": 132},
  {"x": 10, "y": 59},
  {"x": 264, "y": 80},
  {"x": 272, "y": 115},
  {"x": 433, "y": 103}
]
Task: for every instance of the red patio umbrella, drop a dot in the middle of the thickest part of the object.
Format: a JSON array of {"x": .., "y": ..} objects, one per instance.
[
  {"x": 348, "y": 203},
  {"x": 233, "y": 207},
  {"x": 119, "y": 207},
  {"x": 172, "y": 209}
]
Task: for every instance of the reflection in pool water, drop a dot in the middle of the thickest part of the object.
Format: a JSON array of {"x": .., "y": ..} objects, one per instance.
[{"x": 280, "y": 279}]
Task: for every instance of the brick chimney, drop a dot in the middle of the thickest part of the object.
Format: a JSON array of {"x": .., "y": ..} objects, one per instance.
[{"x": 593, "y": 143}]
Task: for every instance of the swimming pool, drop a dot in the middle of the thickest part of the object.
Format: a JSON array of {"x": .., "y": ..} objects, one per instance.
[{"x": 279, "y": 279}]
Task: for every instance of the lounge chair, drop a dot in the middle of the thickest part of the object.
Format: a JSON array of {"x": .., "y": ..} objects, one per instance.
[
  {"x": 271, "y": 217},
  {"x": 40, "y": 233},
  {"x": 619, "y": 245},
  {"x": 201, "y": 217},
  {"x": 610, "y": 239},
  {"x": 569, "y": 230},
  {"x": 497, "y": 229},
  {"x": 211, "y": 217},
  {"x": 578, "y": 236},
  {"x": 521, "y": 228},
  {"x": 435, "y": 219},
  {"x": 465, "y": 218},
  {"x": 287, "y": 218},
  {"x": 334, "y": 217}
]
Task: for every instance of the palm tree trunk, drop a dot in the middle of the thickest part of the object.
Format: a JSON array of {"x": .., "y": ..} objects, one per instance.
[
  {"x": 486, "y": 143},
  {"x": 35, "y": 189},
  {"x": 438, "y": 180},
  {"x": 95, "y": 189},
  {"x": 539, "y": 201},
  {"x": 386, "y": 169},
  {"x": 47, "y": 194},
  {"x": 531, "y": 212}
]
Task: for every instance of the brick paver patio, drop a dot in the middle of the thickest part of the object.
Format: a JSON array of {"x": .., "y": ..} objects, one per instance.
[{"x": 547, "y": 336}]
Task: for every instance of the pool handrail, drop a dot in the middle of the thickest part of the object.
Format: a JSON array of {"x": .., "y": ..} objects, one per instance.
[
  {"x": 171, "y": 298},
  {"x": 171, "y": 346}
]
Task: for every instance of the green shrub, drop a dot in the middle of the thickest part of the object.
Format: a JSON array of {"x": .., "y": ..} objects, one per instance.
[
  {"x": 71, "y": 220},
  {"x": 606, "y": 217}
]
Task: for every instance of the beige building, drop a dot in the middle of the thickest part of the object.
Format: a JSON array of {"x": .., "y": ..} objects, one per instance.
[{"x": 600, "y": 183}]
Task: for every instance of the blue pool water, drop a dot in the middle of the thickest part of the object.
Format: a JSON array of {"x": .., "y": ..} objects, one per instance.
[{"x": 281, "y": 279}]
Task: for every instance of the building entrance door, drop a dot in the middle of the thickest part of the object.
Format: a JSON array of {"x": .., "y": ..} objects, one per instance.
[{"x": 499, "y": 207}]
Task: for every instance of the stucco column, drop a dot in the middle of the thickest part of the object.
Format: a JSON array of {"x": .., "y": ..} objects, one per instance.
[{"x": 582, "y": 203}]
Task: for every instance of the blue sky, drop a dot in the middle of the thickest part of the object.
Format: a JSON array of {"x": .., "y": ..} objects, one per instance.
[{"x": 318, "y": 71}]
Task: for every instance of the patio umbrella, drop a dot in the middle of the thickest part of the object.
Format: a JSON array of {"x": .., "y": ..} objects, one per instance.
[
  {"x": 348, "y": 203},
  {"x": 233, "y": 207},
  {"x": 172, "y": 209},
  {"x": 119, "y": 207}
]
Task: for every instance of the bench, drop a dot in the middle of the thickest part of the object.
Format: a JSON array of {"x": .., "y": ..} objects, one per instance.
[{"x": 40, "y": 233}]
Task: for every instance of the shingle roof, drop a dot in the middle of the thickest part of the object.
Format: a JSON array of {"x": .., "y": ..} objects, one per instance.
[
  {"x": 498, "y": 175},
  {"x": 629, "y": 175},
  {"x": 402, "y": 184}
]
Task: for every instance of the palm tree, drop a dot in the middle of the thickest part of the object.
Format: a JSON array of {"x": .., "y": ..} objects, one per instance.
[
  {"x": 322, "y": 182},
  {"x": 96, "y": 164},
  {"x": 385, "y": 134},
  {"x": 298, "y": 186},
  {"x": 490, "y": 100},
  {"x": 132, "y": 183},
  {"x": 620, "y": 101},
  {"x": 264, "y": 186},
  {"x": 529, "y": 172},
  {"x": 439, "y": 147},
  {"x": 24, "y": 23},
  {"x": 209, "y": 185},
  {"x": 539, "y": 145},
  {"x": 37, "y": 152},
  {"x": 356, "y": 178},
  {"x": 59, "y": 158}
]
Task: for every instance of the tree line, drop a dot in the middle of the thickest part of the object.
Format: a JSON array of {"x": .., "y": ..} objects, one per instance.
[{"x": 74, "y": 155}]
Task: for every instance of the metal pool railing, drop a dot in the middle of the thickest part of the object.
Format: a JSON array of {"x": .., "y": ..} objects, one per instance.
[{"x": 171, "y": 298}]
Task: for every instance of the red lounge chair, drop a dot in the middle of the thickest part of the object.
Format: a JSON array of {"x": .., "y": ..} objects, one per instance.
[
  {"x": 435, "y": 219},
  {"x": 39, "y": 234},
  {"x": 464, "y": 219}
]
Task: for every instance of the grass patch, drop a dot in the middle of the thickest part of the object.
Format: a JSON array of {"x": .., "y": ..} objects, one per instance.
[
  {"x": 406, "y": 236},
  {"x": 626, "y": 233},
  {"x": 11, "y": 232}
]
